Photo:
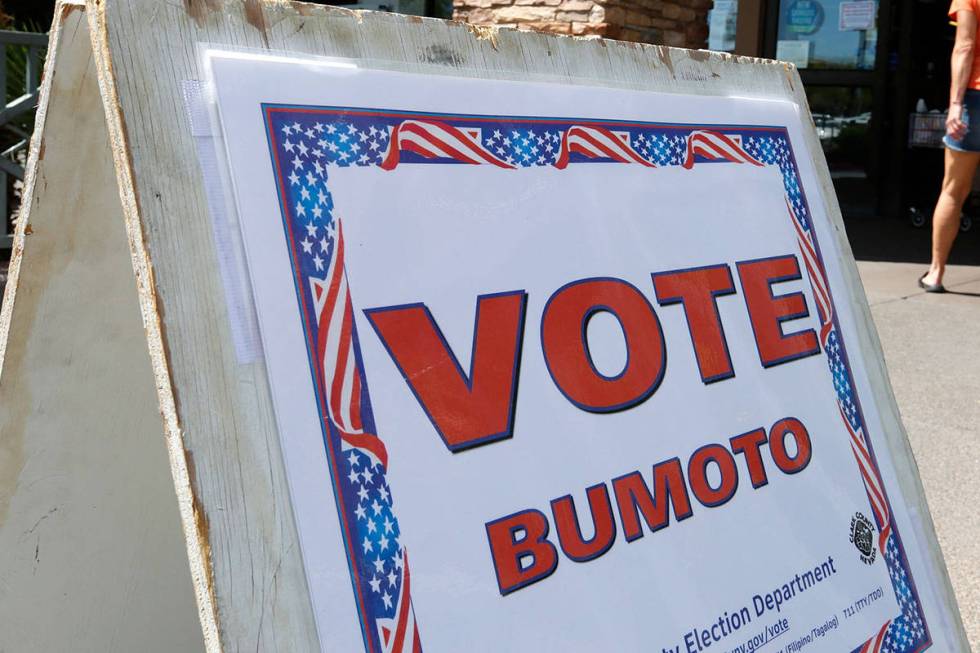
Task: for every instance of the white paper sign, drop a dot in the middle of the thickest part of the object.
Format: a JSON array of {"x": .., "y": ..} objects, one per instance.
[
  {"x": 571, "y": 356},
  {"x": 722, "y": 21},
  {"x": 795, "y": 52},
  {"x": 859, "y": 15}
]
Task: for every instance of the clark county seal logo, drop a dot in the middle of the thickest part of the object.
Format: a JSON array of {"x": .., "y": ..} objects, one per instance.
[{"x": 862, "y": 537}]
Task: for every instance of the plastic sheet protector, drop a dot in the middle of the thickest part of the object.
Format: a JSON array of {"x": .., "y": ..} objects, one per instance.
[{"x": 560, "y": 367}]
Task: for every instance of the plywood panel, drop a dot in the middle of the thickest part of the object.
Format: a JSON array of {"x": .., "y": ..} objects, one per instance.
[{"x": 93, "y": 553}]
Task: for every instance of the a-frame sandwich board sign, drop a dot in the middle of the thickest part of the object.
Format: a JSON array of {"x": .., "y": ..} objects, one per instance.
[{"x": 270, "y": 223}]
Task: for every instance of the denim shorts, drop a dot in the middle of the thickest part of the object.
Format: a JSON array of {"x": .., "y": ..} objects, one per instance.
[{"x": 971, "y": 116}]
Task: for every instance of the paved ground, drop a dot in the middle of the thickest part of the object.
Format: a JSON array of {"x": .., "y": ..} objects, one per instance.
[{"x": 932, "y": 348}]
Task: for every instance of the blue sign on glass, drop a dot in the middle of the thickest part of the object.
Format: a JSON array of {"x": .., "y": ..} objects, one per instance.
[{"x": 804, "y": 16}]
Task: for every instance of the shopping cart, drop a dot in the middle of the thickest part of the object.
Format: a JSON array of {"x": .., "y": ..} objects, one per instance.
[{"x": 926, "y": 131}]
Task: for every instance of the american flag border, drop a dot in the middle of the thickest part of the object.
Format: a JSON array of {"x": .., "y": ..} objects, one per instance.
[{"x": 702, "y": 143}]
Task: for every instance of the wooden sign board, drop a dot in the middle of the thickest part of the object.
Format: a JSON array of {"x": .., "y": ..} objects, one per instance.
[{"x": 274, "y": 224}]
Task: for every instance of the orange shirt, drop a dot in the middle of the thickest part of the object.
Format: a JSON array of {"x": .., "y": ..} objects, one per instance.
[{"x": 973, "y": 6}]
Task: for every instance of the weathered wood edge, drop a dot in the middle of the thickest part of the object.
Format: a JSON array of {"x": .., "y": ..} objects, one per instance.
[
  {"x": 34, "y": 154},
  {"x": 89, "y": 527},
  {"x": 192, "y": 516}
]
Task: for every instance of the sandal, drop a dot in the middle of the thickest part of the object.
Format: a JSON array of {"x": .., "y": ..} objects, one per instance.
[{"x": 937, "y": 288}]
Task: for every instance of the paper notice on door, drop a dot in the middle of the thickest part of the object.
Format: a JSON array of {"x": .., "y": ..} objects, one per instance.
[
  {"x": 795, "y": 52},
  {"x": 857, "y": 15}
]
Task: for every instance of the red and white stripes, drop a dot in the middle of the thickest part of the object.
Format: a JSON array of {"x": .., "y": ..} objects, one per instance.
[
  {"x": 872, "y": 481},
  {"x": 875, "y": 644},
  {"x": 714, "y": 146},
  {"x": 335, "y": 353},
  {"x": 598, "y": 143},
  {"x": 818, "y": 277},
  {"x": 335, "y": 343},
  {"x": 438, "y": 140}
]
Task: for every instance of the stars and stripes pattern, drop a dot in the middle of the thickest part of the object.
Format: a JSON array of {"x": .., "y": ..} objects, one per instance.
[
  {"x": 385, "y": 567},
  {"x": 598, "y": 143},
  {"x": 817, "y": 275},
  {"x": 716, "y": 146},
  {"x": 439, "y": 140},
  {"x": 335, "y": 344},
  {"x": 307, "y": 142},
  {"x": 906, "y": 632},
  {"x": 380, "y": 574},
  {"x": 873, "y": 645},
  {"x": 512, "y": 147}
]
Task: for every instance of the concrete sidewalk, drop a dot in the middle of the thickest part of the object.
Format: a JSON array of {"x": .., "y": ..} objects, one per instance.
[{"x": 932, "y": 348}]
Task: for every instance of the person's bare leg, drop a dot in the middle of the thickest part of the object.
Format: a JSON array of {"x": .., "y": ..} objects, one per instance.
[{"x": 957, "y": 182}]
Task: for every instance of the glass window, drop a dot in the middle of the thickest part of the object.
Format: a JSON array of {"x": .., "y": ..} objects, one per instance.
[
  {"x": 842, "y": 115},
  {"x": 828, "y": 34},
  {"x": 721, "y": 25}
]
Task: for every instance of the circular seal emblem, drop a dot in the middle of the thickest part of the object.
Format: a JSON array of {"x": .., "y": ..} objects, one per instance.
[
  {"x": 804, "y": 17},
  {"x": 863, "y": 537}
]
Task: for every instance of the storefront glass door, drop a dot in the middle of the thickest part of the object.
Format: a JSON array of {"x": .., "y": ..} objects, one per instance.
[
  {"x": 835, "y": 45},
  {"x": 828, "y": 34}
]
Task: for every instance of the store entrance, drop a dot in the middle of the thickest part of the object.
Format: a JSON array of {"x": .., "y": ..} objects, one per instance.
[
  {"x": 840, "y": 49},
  {"x": 877, "y": 80}
]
